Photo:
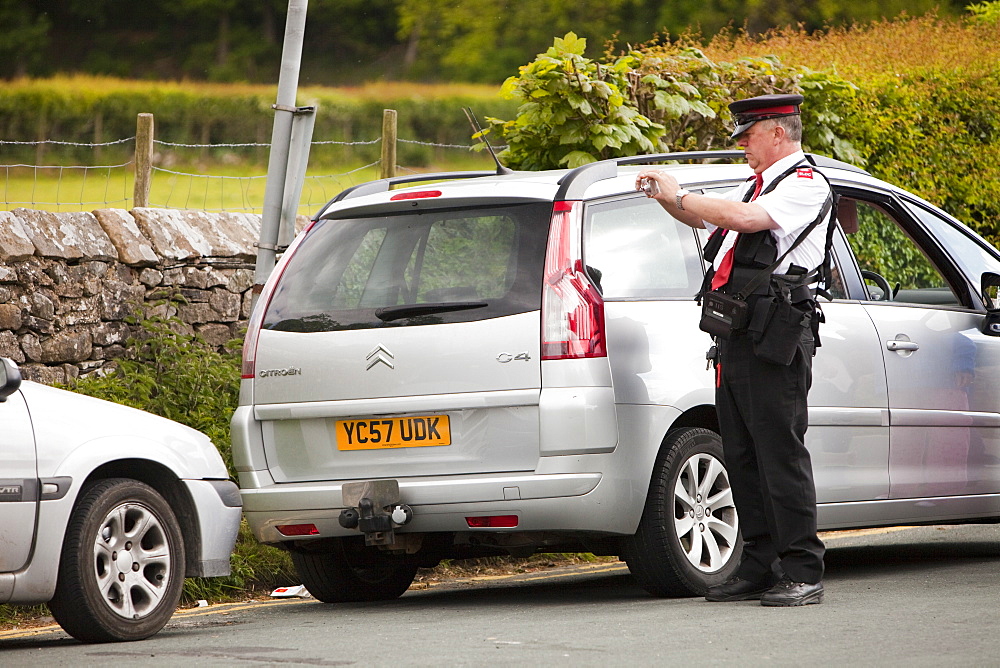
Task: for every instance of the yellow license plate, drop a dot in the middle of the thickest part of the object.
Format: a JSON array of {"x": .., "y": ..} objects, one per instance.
[{"x": 405, "y": 432}]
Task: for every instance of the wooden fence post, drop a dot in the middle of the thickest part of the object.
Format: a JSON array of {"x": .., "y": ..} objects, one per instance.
[
  {"x": 143, "y": 160},
  {"x": 388, "y": 143}
]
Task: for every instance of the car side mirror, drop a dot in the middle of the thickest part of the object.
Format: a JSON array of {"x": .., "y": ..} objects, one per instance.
[
  {"x": 991, "y": 298},
  {"x": 10, "y": 378}
]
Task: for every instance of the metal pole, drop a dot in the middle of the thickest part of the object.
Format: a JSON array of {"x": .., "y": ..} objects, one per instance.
[
  {"x": 295, "y": 175},
  {"x": 288, "y": 82}
]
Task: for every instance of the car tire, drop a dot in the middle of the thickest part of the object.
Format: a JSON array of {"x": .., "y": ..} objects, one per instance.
[
  {"x": 351, "y": 572},
  {"x": 121, "y": 570},
  {"x": 688, "y": 537}
]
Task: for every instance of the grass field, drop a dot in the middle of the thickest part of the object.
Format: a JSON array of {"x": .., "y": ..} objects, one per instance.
[{"x": 218, "y": 187}]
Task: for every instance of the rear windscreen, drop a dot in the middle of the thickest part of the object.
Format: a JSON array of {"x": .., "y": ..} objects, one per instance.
[{"x": 423, "y": 268}]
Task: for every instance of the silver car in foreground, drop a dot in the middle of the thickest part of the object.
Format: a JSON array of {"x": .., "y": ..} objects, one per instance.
[
  {"x": 511, "y": 363},
  {"x": 104, "y": 510}
]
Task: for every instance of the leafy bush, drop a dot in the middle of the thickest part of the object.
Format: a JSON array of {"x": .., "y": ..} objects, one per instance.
[
  {"x": 911, "y": 100},
  {"x": 573, "y": 111},
  {"x": 174, "y": 373},
  {"x": 654, "y": 99},
  {"x": 985, "y": 12}
]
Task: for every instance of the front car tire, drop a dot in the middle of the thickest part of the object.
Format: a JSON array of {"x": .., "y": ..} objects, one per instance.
[{"x": 121, "y": 570}]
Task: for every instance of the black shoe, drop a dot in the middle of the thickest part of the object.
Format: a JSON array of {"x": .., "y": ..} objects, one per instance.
[
  {"x": 737, "y": 589},
  {"x": 788, "y": 593}
]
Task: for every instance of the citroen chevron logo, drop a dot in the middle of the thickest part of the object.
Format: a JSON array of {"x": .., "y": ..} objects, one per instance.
[{"x": 380, "y": 355}]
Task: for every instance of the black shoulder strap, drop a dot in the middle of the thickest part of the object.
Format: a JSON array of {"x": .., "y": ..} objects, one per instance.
[{"x": 765, "y": 273}]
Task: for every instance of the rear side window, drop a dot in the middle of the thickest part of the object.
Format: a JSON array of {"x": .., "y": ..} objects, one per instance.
[
  {"x": 423, "y": 268},
  {"x": 640, "y": 252}
]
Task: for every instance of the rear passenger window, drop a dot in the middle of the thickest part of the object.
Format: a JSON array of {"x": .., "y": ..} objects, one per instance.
[
  {"x": 424, "y": 268},
  {"x": 641, "y": 253}
]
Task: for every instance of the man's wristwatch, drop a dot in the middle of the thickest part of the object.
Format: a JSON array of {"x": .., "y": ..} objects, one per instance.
[{"x": 680, "y": 196}]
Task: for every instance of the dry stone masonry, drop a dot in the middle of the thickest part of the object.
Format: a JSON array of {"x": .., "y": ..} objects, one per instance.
[{"x": 70, "y": 281}]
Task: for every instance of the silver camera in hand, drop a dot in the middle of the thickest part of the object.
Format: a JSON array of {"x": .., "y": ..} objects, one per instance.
[{"x": 649, "y": 186}]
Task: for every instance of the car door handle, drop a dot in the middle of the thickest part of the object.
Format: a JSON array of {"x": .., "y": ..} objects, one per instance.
[{"x": 901, "y": 345}]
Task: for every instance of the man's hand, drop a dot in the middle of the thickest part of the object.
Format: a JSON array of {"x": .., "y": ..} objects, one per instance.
[
  {"x": 666, "y": 183},
  {"x": 736, "y": 216}
]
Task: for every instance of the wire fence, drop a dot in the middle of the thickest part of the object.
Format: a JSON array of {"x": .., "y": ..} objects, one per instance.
[{"x": 208, "y": 177}]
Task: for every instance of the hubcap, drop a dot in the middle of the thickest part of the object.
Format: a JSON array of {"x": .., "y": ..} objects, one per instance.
[
  {"x": 705, "y": 518},
  {"x": 132, "y": 560}
]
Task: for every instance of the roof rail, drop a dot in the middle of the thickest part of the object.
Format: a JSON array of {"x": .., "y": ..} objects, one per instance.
[
  {"x": 575, "y": 183},
  {"x": 824, "y": 161},
  {"x": 679, "y": 155}
]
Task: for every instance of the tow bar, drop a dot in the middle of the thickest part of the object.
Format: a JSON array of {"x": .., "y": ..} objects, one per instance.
[{"x": 373, "y": 507}]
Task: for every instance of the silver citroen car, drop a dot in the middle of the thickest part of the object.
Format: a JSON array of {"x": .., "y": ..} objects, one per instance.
[{"x": 506, "y": 363}]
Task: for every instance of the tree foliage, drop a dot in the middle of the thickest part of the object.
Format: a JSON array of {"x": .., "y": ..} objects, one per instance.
[
  {"x": 484, "y": 40},
  {"x": 23, "y": 39},
  {"x": 349, "y": 41},
  {"x": 574, "y": 110}
]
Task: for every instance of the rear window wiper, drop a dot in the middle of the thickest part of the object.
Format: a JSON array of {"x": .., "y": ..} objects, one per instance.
[{"x": 388, "y": 313}]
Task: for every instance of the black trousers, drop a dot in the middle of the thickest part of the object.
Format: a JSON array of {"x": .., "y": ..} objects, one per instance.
[{"x": 763, "y": 418}]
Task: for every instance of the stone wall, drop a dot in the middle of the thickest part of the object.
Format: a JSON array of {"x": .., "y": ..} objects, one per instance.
[{"x": 69, "y": 281}]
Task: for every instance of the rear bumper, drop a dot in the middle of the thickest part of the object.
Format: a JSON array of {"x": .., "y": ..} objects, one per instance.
[
  {"x": 599, "y": 492},
  {"x": 543, "y": 502},
  {"x": 569, "y": 502}
]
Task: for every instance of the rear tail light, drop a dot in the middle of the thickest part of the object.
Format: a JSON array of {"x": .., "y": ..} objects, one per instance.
[
  {"x": 492, "y": 522},
  {"x": 257, "y": 316},
  {"x": 297, "y": 529},
  {"x": 250, "y": 339},
  {"x": 572, "y": 308}
]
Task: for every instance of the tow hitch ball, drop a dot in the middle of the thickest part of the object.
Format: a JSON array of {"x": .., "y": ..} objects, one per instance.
[{"x": 373, "y": 507}]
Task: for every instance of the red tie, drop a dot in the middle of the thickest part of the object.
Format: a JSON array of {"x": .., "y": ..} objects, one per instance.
[{"x": 721, "y": 276}]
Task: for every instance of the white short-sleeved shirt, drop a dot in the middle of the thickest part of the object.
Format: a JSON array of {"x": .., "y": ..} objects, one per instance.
[{"x": 793, "y": 204}]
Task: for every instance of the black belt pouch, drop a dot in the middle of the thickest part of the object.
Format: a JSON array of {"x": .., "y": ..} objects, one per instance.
[
  {"x": 782, "y": 332},
  {"x": 722, "y": 315}
]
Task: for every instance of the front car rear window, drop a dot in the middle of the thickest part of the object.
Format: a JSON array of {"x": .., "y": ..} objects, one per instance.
[{"x": 413, "y": 268}]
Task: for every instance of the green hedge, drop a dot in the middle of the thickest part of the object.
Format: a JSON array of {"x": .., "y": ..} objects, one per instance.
[
  {"x": 913, "y": 101},
  {"x": 88, "y": 109},
  {"x": 924, "y": 113},
  {"x": 938, "y": 135}
]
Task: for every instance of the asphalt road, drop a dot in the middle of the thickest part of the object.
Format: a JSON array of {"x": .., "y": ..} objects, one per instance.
[{"x": 925, "y": 596}]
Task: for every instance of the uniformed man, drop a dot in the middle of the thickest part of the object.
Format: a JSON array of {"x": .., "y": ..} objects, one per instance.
[{"x": 760, "y": 399}]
